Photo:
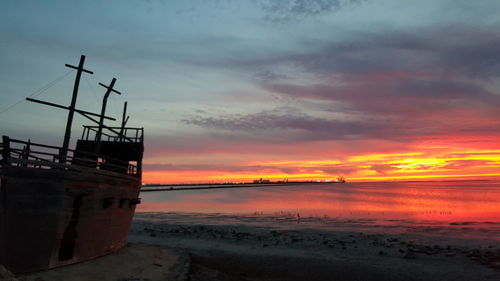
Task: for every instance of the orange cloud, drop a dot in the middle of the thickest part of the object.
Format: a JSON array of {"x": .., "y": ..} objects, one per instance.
[{"x": 464, "y": 163}]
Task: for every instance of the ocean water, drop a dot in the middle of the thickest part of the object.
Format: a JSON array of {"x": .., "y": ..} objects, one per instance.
[{"x": 462, "y": 209}]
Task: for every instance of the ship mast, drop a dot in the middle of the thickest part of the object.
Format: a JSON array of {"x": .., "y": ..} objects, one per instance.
[
  {"x": 67, "y": 135},
  {"x": 104, "y": 103},
  {"x": 63, "y": 153},
  {"x": 124, "y": 120}
]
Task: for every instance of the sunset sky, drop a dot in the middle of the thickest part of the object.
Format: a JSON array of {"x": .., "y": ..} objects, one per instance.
[{"x": 297, "y": 89}]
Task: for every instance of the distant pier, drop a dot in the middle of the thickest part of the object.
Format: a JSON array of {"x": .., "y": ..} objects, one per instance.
[{"x": 174, "y": 187}]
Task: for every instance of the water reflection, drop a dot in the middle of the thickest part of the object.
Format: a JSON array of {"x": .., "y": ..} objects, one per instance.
[{"x": 458, "y": 201}]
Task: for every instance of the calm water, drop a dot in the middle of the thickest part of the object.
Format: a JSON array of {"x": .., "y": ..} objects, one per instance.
[{"x": 461, "y": 208}]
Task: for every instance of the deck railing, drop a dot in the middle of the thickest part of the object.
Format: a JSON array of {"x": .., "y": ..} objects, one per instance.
[
  {"x": 110, "y": 134},
  {"x": 1, "y": 153},
  {"x": 33, "y": 155}
]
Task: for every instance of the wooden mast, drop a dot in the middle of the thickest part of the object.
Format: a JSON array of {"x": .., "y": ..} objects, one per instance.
[
  {"x": 124, "y": 120},
  {"x": 67, "y": 135},
  {"x": 72, "y": 109},
  {"x": 104, "y": 103}
]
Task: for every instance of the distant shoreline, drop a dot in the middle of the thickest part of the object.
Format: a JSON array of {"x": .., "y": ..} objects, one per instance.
[{"x": 172, "y": 187}]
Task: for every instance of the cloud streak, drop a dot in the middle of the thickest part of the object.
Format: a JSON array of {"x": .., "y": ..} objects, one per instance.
[
  {"x": 305, "y": 126},
  {"x": 458, "y": 50},
  {"x": 284, "y": 11}
]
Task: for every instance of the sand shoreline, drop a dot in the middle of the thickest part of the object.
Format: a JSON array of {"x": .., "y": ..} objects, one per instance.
[
  {"x": 135, "y": 262},
  {"x": 238, "y": 252}
]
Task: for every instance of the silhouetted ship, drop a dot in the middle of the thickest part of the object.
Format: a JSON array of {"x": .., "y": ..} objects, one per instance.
[{"x": 60, "y": 206}]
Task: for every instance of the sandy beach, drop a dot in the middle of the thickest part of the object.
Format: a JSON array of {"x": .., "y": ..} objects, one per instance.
[
  {"x": 239, "y": 252},
  {"x": 133, "y": 263}
]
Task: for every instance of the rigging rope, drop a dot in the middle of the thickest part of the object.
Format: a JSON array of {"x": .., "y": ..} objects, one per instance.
[
  {"x": 93, "y": 91},
  {"x": 39, "y": 91}
]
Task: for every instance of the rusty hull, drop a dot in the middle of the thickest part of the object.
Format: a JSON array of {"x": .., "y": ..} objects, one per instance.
[{"x": 55, "y": 217}]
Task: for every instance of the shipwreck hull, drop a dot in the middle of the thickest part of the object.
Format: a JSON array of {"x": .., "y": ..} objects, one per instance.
[
  {"x": 60, "y": 206},
  {"x": 55, "y": 217}
]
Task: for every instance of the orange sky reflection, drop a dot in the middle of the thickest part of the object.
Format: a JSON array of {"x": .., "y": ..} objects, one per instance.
[{"x": 447, "y": 201}]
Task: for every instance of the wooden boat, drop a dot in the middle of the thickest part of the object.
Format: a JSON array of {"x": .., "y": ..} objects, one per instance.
[{"x": 60, "y": 206}]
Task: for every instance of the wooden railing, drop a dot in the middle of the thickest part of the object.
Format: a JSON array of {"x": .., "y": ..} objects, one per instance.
[
  {"x": 110, "y": 134},
  {"x": 1, "y": 153},
  {"x": 33, "y": 155}
]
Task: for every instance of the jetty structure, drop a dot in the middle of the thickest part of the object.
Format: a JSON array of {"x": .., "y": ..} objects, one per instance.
[{"x": 60, "y": 206}]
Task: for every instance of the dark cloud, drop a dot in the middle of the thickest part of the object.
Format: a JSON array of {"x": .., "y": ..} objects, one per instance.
[
  {"x": 267, "y": 76},
  {"x": 382, "y": 168},
  {"x": 395, "y": 85},
  {"x": 454, "y": 49},
  {"x": 407, "y": 97},
  {"x": 443, "y": 89},
  {"x": 284, "y": 11},
  {"x": 304, "y": 126},
  {"x": 206, "y": 167},
  {"x": 344, "y": 170},
  {"x": 462, "y": 164},
  {"x": 476, "y": 153},
  {"x": 254, "y": 169},
  {"x": 267, "y": 120},
  {"x": 452, "y": 52},
  {"x": 473, "y": 54},
  {"x": 397, "y": 110}
]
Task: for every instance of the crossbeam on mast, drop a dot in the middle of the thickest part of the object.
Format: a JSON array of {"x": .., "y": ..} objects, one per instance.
[{"x": 67, "y": 107}]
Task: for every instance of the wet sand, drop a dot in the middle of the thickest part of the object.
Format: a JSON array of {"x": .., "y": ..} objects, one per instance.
[
  {"x": 239, "y": 252},
  {"x": 136, "y": 262}
]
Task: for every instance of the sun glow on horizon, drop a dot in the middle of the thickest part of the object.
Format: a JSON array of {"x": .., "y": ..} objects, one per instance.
[{"x": 454, "y": 164}]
